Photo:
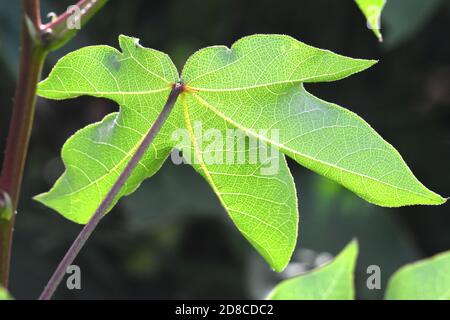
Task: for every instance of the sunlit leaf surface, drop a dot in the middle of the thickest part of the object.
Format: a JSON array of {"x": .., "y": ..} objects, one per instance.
[{"x": 254, "y": 88}]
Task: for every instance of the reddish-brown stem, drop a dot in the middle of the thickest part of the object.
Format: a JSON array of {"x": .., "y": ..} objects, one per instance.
[
  {"x": 86, "y": 232},
  {"x": 36, "y": 41},
  {"x": 60, "y": 31},
  {"x": 32, "y": 57}
]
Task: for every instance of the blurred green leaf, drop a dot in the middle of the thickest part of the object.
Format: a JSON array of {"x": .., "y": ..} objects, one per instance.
[
  {"x": 372, "y": 10},
  {"x": 333, "y": 281},
  {"x": 404, "y": 18},
  {"x": 424, "y": 280},
  {"x": 4, "y": 295}
]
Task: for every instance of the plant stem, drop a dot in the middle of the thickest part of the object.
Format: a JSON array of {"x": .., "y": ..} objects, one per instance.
[
  {"x": 32, "y": 58},
  {"x": 60, "y": 31},
  {"x": 85, "y": 233},
  {"x": 37, "y": 41}
]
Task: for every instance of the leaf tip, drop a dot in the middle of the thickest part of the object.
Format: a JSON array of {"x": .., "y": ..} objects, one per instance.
[
  {"x": 437, "y": 199},
  {"x": 352, "y": 247},
  {"x": 126, "y": 42},
  {"x": 372, "y": 62},
  {"x": 279, "y": 263},
  {"x": 39, "y": 198},
  {"x": 43, "y": 198},
  {"x": 48, "y": 200},
  {"x": 40, "y": 89},
  {"x": 378, "y": 34},
  {"x": 354, "y": 243},
  {"x": 279, "y": 267},
  {"x": 364, "y": 64}
]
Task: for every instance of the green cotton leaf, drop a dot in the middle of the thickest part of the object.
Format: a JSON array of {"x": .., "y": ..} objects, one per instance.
[
  {"x": 405, "y": 18},
  {"x": 253, "y": 90},
  {"x": 372, "y": 10},
  {"x": 424, "y": 280},
  {"x": 334, "y": 281}
]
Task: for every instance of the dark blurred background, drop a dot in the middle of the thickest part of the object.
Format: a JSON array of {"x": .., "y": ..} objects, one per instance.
[{"x": 171, "y": 239}]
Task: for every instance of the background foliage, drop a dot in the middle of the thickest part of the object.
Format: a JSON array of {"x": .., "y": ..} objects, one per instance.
[{"x": 154, "y": 247}]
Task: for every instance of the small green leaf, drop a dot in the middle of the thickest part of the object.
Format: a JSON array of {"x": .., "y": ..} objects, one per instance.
[
  {"x": 333, "y": 281},
  {"x": 4, "y": 295},
  {"x": 424, "y": 280},
  {"x": 405, "y": 18},
  {"x": 372, "y": 10}
]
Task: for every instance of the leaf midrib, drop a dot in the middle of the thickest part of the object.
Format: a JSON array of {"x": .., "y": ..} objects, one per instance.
[
  {"x": 41, "y": 91},
  {"x": 287, "y": 149},
  {"x": 262, "y": 85},
  {"x": 209, "y": 178},
  {"x": 113, "y": 169}
]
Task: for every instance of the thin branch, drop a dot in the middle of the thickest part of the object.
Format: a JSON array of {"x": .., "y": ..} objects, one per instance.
[
  {"x": 32, "y": 58},
  {"x": 110, "y": 196},
  {"x": 63, "y": 28},
  {"x": 36, "y": 41}
]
